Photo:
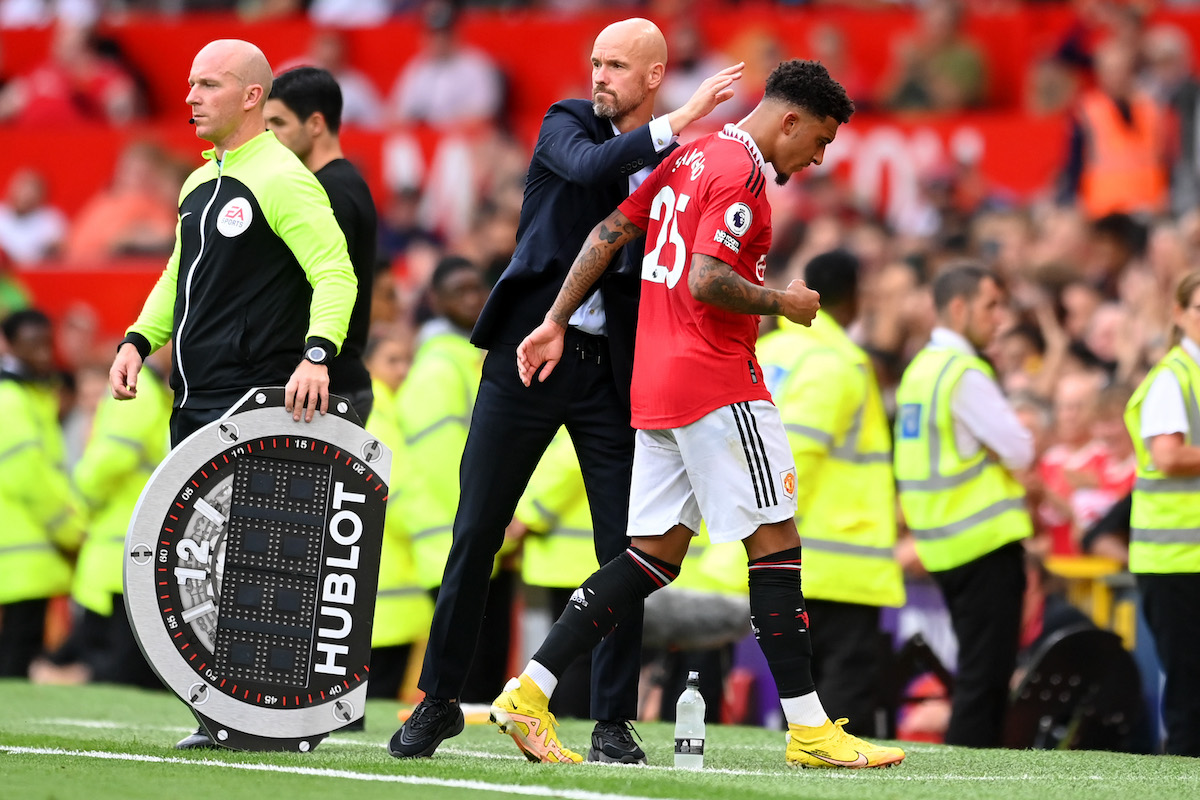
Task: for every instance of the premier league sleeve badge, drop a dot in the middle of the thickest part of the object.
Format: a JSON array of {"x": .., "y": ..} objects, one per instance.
[{"x": 251, "y": 568}]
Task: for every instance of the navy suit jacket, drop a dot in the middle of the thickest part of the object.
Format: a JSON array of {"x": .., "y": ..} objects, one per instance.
[{"x": 578, "y": 175}]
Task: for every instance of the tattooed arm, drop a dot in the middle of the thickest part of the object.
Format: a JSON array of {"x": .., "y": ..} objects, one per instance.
[
  {"x": 713, "y": 281},
  {"x": 543, "y": 348},
  {"x": 597, "y": 253}
]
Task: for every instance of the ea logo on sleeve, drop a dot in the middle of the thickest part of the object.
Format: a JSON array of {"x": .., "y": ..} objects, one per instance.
[
  {"x": 738, "y": 219},
  {"x": 235, "y": 217}
]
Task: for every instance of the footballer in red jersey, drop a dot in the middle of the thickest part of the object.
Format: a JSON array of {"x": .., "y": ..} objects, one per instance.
[
  {"x": 706, "y": 200},
  {"x": 710, "y": 445}
]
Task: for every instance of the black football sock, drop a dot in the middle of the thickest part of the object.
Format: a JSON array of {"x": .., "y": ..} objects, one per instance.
[
  {"x": 600, "y": 604},
  {"x": 780, "y": 621}
]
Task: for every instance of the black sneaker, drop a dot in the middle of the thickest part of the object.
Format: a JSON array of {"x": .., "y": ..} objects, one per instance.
[
  {"x": 200, "y": 740},
  {"x": 612, "y": 743},
  {"x": 432, "y": 721}
]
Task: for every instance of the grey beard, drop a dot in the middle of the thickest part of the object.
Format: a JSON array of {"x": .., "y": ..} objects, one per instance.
[{"x": 602, "y": 111}]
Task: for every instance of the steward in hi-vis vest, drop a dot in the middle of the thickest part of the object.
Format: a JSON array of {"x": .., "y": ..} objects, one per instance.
[
  {"x": 828, "y": 398},
  {"x": 39, "y": 513},
  {"x": 957, "y": 445},
  {"x": 1163, "y": 418},
  {"x": 402, "y": 607}
]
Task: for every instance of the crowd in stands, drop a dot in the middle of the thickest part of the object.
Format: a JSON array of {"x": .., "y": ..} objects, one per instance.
[{"x": 1089, "y": 264}]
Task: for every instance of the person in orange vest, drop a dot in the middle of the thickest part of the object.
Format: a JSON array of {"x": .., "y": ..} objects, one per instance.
[{"x": 1117, "y": 159}]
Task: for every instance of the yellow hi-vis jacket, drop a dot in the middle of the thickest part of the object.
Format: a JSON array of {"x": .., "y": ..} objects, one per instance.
[
  {"x": 403, "y": 609},
  {"x": 129, "y": 439},
  {"x": 957, "y": 508},
  {"x": 434, "y": 408},
  {"x": 1164, "y": 533},
  {"x": 825, "y": 389},
  {"x": 40, "y": 517}
]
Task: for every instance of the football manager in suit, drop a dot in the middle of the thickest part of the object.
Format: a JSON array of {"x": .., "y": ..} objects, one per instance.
[{"x": 589, "y": 156}]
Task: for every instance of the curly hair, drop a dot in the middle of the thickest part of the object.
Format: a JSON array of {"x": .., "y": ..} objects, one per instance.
[{"x": 808, "y": 85}]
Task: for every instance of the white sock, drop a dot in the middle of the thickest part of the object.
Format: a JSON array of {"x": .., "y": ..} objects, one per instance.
[
  {"x": 804, "y": 710},
  {"x": 543, "y": 679}
]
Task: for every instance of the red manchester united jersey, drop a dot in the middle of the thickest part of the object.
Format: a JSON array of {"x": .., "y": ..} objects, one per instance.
[{"x": 692, "y": 357}]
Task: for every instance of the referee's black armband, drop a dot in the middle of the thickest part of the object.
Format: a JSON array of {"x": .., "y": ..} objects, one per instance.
[
  {"x": 318, "y": 341},
  {"x": 140, "y": 342}
]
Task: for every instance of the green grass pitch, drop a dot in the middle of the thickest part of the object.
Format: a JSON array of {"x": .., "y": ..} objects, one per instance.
[{"x": 97, "y": 743}]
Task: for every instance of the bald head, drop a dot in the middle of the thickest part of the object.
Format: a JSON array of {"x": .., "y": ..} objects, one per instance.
[
  {"x": 639, "y": 37},
  {"x": 628, "y": 62},
  {"x": 230, "y": 81},
  {"x": 241, "y": 59}
]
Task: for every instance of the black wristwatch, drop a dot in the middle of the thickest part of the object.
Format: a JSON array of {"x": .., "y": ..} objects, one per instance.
[{"x": 317, "y": 355}]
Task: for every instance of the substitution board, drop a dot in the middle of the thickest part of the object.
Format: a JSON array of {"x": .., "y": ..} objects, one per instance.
[{"x": 251, "y": 568}]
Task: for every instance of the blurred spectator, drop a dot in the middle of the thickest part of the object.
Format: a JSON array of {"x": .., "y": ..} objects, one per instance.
[
  {"x": 493, "y": 239},
  {"x": 447, "y": 84},
  {"x": 362, "y": 104},
  {"x": 1117, "y": 150},
  {"x": 252, "y": 10},
  {"x": 81, "y": 81},
  {"x": 1116, "y": 242},
  {"x": 89, "y": 387},
  {"x": 691, "y": 62},
  {"x": 402, "y": 610},
  {"x": 41, "y": 516},
  {"x": 40, "y": 13},
  {"x": 136, "y": 215},
  {"x": 434, "y": 405},
  {"x": 401, "y": 231},
  {"x": 827, "y": 44},
  {"x": 759, "y": 48},
  {"x": 1017, "y": 355},
  {"x": 387, "y": 313},
  {"x": 1168, "y": 57},
  {"x": 30, "y": 229},
  {"x": 1036, "y": 417},
  {"x": 1052, "y": 85},
  {"x": 1072, "y": 463},
  {"x": 350, "y": 14},
  {"x": 1079, "y": 300},
  {"x": 1120, "y": 462},
  {"x": 125, "y": 445},
  {"x": 1101, "y": 343},
  {"x": 897, "y": 315},
  {"x": 938, "y": 68},
  {"x": 1108, "y": 536}
]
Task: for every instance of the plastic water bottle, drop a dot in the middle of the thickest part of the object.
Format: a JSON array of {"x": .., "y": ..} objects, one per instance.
[{"x": 689, "y": 726}]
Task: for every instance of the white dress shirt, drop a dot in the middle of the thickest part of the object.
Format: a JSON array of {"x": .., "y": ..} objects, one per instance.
[{"x": 982, "y": 415}]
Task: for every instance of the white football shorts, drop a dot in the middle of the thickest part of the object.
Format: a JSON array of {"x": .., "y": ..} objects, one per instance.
[{"x": 732, "y": 467}]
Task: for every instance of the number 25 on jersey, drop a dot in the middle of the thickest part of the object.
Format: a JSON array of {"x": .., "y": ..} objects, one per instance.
[{"x": 664, "y": 210}]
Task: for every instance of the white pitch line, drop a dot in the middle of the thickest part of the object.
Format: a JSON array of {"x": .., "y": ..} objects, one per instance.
[
  {"x": 450, "y": 783},
  {"x": 334, "y": 739}
]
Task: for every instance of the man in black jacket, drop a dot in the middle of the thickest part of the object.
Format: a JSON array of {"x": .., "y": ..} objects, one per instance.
[
  {"x": 305, "y": 113},
  {"x": 589, "y": 156}
]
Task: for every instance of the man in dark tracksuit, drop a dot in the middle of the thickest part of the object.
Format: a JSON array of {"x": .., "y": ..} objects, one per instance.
[
  {"x": 586, "y": 156},
  {"x": 304, "y": 112},
  {"x": 256, "y": 245}
]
